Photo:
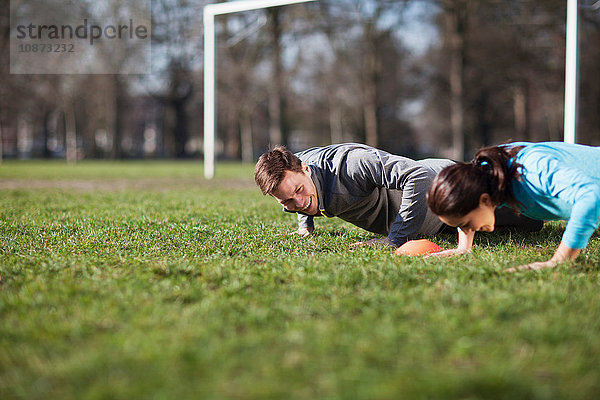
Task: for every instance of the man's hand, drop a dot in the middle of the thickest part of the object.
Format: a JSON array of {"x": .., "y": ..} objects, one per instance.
[
  {"x": 448, "y": 253},
  {"x": 374, "y": 242},
  {"x": 304, "y": 232}
]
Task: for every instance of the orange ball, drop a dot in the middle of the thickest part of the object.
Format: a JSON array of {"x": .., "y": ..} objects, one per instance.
[{"x": 417, "y": 248}]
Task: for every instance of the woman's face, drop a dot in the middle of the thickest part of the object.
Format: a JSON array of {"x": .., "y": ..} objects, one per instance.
[{"x": 480, "y": 219}]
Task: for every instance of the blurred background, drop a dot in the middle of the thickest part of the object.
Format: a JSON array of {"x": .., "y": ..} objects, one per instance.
[{"x": 414, "y": 77}]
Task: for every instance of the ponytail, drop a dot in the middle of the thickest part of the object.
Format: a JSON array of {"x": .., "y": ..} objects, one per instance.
[{"x": 457, "y": 189}]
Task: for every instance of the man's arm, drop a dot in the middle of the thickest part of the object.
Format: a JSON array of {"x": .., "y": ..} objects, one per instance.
[
  {"x": 413, "y": 178},
  {"x": 376, "y": 168},
  {"x": 306, "y": 225},
  {"x": 413, "y": 208}
]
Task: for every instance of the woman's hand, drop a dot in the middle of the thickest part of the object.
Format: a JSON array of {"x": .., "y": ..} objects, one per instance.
[
  {"x": 563, "y": 253},
  {"x": 465, "y": 243},
  {"x": 533, "y": 266}
]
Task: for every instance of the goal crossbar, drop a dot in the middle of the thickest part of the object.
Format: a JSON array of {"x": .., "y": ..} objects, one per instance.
[{"x": 210, "y": 118}]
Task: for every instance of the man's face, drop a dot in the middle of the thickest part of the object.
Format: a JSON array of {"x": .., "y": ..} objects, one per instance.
[
  {"x": 297, "y": 192},
  {"x": 480, "y": 219}
]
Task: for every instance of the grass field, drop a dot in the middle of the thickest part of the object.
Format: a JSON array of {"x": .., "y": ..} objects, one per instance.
[{"x": 144, "y": 281}]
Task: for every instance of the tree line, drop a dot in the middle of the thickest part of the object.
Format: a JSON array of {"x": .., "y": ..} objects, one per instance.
[{"x": 415, "y": 77}]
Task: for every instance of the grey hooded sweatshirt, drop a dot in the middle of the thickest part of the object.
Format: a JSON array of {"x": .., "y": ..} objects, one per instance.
[{"x": 374, "y": 190}]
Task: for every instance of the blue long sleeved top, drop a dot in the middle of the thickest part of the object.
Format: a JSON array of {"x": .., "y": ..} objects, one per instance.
[{"x": 561, "y": 181}]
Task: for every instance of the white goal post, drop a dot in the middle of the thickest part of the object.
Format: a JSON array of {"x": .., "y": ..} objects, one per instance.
[
  {"x": 210, "y": 118},
  {"x": 211, "y": 10},
  {"x": 571, "y": 72}
]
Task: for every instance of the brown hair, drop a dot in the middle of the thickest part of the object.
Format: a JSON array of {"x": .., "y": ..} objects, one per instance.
[
  {"x": 456, "y": 190},
  {"x": 271, "y": 167}
]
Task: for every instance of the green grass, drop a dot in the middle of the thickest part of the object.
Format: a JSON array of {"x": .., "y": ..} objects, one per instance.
[{"x": 179, "y": 288}]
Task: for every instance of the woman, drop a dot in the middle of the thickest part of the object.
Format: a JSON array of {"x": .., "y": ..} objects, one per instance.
[{"x": 544, "y": 181}]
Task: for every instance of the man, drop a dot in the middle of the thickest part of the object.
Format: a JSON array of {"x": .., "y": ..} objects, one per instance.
[{"x": 370, "y": 188}]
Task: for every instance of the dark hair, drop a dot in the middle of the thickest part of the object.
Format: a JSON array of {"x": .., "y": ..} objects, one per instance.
[
  {"x": 271, "y": 167},
  {"x": 456, "y": 190}
]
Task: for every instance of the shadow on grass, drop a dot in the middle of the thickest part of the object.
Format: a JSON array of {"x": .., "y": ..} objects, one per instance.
[{"x": 550, "y": 234}]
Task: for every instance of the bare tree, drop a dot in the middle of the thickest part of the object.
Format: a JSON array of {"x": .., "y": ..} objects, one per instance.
[
  {"x": 177, "y": 32},
  {"x": 361, "y": 35},
  {"x": 242, "y": 92},
  {"x": 455, "y": 23},
  {"x": 277, "y": 133}
]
